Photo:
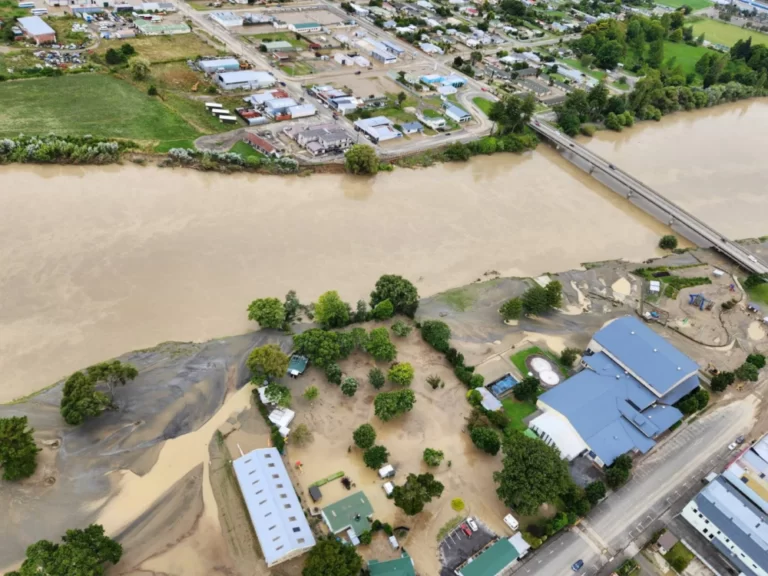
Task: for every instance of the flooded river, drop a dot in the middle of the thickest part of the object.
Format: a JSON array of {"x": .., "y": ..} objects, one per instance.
[{"x": 98, "y": 261}]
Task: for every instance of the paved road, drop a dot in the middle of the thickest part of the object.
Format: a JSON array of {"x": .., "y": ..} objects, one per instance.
[
  {"x": 709, "y": 237},
  {"x": 660, "y": 480}
]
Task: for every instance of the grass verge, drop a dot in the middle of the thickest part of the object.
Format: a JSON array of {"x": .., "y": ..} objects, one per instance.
[
  {"x": 484, "y": 104},
  {"x": 448, "y": 526}
]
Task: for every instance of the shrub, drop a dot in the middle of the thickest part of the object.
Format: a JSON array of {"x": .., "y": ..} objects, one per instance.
[
  {"x": 364, "y": 436},
  {"x": 365, "y": 538},
  {"x": 401, "y": 328},
  {"x": 722, "y": 380},
  {"x": 301, "y": 435},
  {"x": 437, "y": 334},
  {"x": 433, "y": 457},
  {"x": 375, "y": 457},
  {"x": 388, "y": 405},
  {"x": 457, "y": 504},
  {"x": 383, "y": 310},
  {"x": 475, "y": 398},
  {"x": 512, "y": 309},
  {"x": 498, "y": 418},
  {"x": 476, "y": 381},
  {"x": 434, "y": 381},
  {"x": 668, "y": 242},
  {"x": 679, "y": 557},
  {"x": 758, "y": 360},
  {"x": 333, "y": 373},
  {"x": 595, "y": 491},
  {"x": 361, "y": 159},
  {"x": 568, "y": 356},
  {"x": 152, "y": 91},
  {"x": 401, "y": 374},
  {"x": 486, "y": 439},
  {"x": 454, "y": 357},
  {"x": 349, "y": 386},
  {"x": 747, "y": 372},
  {"x": 376, "y": 378},
  {"x": 379, "y": 345}
]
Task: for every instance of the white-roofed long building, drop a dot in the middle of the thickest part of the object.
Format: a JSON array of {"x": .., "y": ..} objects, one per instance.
[
  {"x": 245, "y": 79},
  {"x": 274, "y": 508}
]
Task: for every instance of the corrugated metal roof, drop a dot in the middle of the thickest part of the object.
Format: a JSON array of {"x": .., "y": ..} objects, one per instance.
[
  {"x": 35, "y": 26},
  {"x": 398, "y": 567},
  {"x": 492, "y": 561}
]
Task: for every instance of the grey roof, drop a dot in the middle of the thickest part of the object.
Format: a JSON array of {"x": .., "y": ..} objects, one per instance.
[
  {"x": 637, "y": 348},
  {"x": 738, "y": 519},
  {"x": 408, "y": 126},
  {"x": 456, "y": 111},
  {"x": 246, "y": 76},
  {"x": 749, "y": 474},
  {"x": 35, "y": 25},
  {"x": 275, "y": 511}
]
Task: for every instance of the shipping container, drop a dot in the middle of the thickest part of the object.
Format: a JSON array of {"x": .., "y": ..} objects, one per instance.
[
  {"x": 220, "y": 112},
  {"x": 211, "y": 105},
  {"x": 26, "y": 4},
  {"x": 39, "y": 12},
  {"x": 228, "y": 119}
]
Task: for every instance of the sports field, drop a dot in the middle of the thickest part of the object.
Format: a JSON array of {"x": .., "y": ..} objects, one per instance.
[
  {"x": 726, "y": 34},
  {"x": 695, "y": 4},
  {"x": 93, "y": 104}
]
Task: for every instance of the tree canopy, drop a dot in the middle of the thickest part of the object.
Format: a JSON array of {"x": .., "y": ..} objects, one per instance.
[
  {"x": 349, "y": 386},
  {"x": 18, "y": 452},
  {"x": 512, "y": 309},
  {"x": 279, "y": 394},
  {"x": 331, "y": 556},
  {"x": 82, "y": 553},
  {"x": 595, "y": 491},
  {"x": 331, "y": 311},
  {"x": 364, "y": 436},
  {"x": 416, "y": 492},
  {"x": 80, "y": 399},
  {"x": 268, "y": 312},
  {"x": 486, "y": 439},
  {"x": 361, "y": 159},
  {"x": 383, "y": 310},
  {"x": 380, "y": 346},
  {"x": 376, "y": 378},
  {"x": 267, "y": 362},
  {"x": 437, "y": 334},
  {"x": 388, "y": 405},
  {"x": 527, "y": 390},
  {"x": 433, "y": 457},
  {"x": 320, "y": 346},
  {"x": 401, "y": 374},
  {"x": 512, "y": 113},
  {"x": 375, "y": 457},
  {"x": 533, "y": 473},
  {"x": 399, "y": 291}
]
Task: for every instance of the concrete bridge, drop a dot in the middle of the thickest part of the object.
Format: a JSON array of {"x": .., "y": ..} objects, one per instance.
[{"x": 682, "y": 221}]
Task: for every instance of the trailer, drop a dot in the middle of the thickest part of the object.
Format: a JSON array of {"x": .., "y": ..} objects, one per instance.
[
  {"x": 26, "y": 4},
  {"x": 220, "y": 112},
  {"x": 210, "y": 106},
  {"x": 228, "y": 119}
]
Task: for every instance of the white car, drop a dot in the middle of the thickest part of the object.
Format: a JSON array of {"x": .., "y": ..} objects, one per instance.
[
  {"x": 472, "y": 524},
  {"x": 732, "y": 446}
]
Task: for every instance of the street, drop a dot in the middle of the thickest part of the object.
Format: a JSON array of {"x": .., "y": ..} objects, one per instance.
[{"x": 668, "y": 476}]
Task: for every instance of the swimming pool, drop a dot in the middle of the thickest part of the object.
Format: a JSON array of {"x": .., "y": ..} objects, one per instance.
[{"x": 503, "y": 385}]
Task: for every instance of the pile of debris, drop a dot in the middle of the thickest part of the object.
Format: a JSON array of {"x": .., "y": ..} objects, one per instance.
[{"x": 56, "y": 59}]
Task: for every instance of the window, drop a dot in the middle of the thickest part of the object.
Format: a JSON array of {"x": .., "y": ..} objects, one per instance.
[
  {"x": 259, "y": 492},
  {"x": 269, "y": 456},
  {"x": 296, "y": 529},
  {"x": 292, "y": 519},
  {"x": 262, "y": 502},
  {"x": 247, "y": 461},
  {"x": 283, "y": 496},
  {"x": 275, "y": 475},
  {"x": 286, "y": 506},
  {"x": 705, "y": 530},
  {"x": 251, "y": 472},
  {"x": 711, "y": 536},
  {"x": 276, "y": 538},
  {"x": 300, "y": 540},
  {"x": 279, "y": 548},
  {"x": 706, "y": 521},
  {"x": 272, "y": 527},
  {"x": 278, "y": 485},
  {"x": 271, "y": 465},
  {"x": 268, "y": 514}
]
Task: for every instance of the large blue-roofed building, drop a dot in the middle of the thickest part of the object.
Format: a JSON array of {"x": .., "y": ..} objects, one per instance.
[{"x": 622, "y": 399}]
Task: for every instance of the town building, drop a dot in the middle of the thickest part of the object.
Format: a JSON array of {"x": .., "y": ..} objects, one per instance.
[
  {"x": 622, "y": 399},
  {"x": 305, "y": 27},
  {"x": 430, "y": 48},
  {"x": 351, "y": 515},
  {"x": 278, "y": 46},
  {"x": 359, "y": 10},
  {"x": 377, "y": 129},
  {"x": 227, "y": 19},
  {"x": 457, "y": 114},
  {"x": 323, "y": 139},
  {"x": 245, "y": 79},
  {"x": 161, "y": 28},
  {"x": 35, "y": 28},
  {"x": 259, "y": 99},
  {"x": 275, "y": 511},
  {"x": 413, "y": 127},
  {"x": 731, "y": 511},
  {"x": 434, "y": 122},
  {"x": 402, "y": 566},
  {"x": 219, "y": 65},
  {"x": 496, "y": 559}
]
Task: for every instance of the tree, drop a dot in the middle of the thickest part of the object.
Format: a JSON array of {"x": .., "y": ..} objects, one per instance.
[
  {"x": 527, "y": 390},
  {"x": 721, "y": 381},
  {"x": 267, "y": 363},
  {"x": 114, "y": 57},
  {"x": 18, "y": 453},
  {"x": 291, "y": 306},
  {"x": 376, "y": 378},
  {"x": 668, "y": 242},
  {"x": 533, "y": 473},
  {"x": 361, "y": 312},
  {"x": 618, "y": 472},
  {"x": 112, "y": 373},
  {"x": 401, "y": 98},
  {"x": 568, "y": 356},
  {"x": 375, "y": 457},
  {"x": 437, "y": 334},
  {"x": 349, "y": 386},
  {"x": 320, "y": 346},
  {"x": 387, "y": 405},
  {"x": 512, "y": 309},
  {"x": 512, "y": 113},
  {"x": 416, "y": 492},
  {"x": 433, "y": 457},
  {"x": 575, "y": 501},
  {"x": 401, "y": 329},
  {"x": 379, "y": 346},
  {"x": 702, "y": 398},
  {"x": 758, "y": 360},
  {"x": 536, "y": 300},
  {"x": 747, "y": 372},
  {"x": 127, "y": 50},
  {"x": 401, "y": 374},
  {"x": 399, "y": 291},
  {"x": 331, "y": 311},
  {"x": 476, "y": 56},
  {"x": 554, "y": 294},
  {"x": 612, "y": 122},
  {"x": 139, "y": 68},
  {"x": 486, "y": 439},
  {"x": 361, "y": 159},
  {"x": 346, "y": 342},
  {"x": 311, "y": 393},
  {"x": 152, "y": 90},
  {"x": 383, "y": 310},
  {"x": 595, "y": 491},
  {"x": 331, "y": 556},
  {"x": 676, "y": 35},
  {"x": 80, "y": 399},
  {"x": 457, "y": 504},
  {"x": 333, "y": 373},
  {"x": 302, "y": 435},
  {"x": 656, "y": 53},
  {"x": 268, "y": 312},
  {"x": 609, "y": 55},
  {"x": 364, "y": 436},
  {"x": 82, "y": 553},
  {"x": 278, "y": 394}
]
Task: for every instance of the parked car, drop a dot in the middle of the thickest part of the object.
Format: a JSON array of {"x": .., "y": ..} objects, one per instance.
[
  {"x": 466, "y": 530},
  {"x": 511, "y": 521},
  {"x": 472, "y": 524},
  {"x": 732, "y": 446},
  {"x": 578, "y": 565},
  {"x": 740, "y": 440}
]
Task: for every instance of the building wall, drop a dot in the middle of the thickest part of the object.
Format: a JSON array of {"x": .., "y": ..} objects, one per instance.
[
  {"x": 566, "y": 423},
  {"x": 700, "y": 522},
  {"x": 43, "y": 38}
]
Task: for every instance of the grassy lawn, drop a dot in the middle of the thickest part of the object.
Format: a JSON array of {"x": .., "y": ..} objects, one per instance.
[
  {"x": 246, "y": 150},
  {"x": 695, "y": 4},
  {"x": 599, "y": 74},
  {"x": 397, "y": 115},
  {"x": 9, "y": 9},
  {"x": 726, "y": 34},
  {"x": 163, "y": 48},
  {"x": 679, "y": 557},
  {"x": 275, "y": 36},
  {"x": 621, "y": 85},
  {"x": 429, "y": 113},
  {"x": 758, "y": 294},
  {"x": 483, "y": 104},
  {"x": 517, "y": 412},
  {"x": 87, "y": 104},
  {"x": 686, "y": 56},
  {"x": 518, "y": 359},
  {"x": 297, "y": 68}
]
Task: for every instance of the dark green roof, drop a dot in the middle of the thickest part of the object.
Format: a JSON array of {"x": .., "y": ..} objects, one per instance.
[
  {"x": 492, "y": 561},
  {"x": 400, "y": 567},
  {"x": 344, "y": 514}
]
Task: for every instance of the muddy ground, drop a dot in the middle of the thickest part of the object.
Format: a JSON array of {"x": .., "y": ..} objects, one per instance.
[{"x": 155, "y": 473}]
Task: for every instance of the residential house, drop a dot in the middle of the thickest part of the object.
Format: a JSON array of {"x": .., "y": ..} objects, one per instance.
[
  {"x": 435, "y": 122},
  {"x": 359, "y": 10},
  {"x": 323, "y": 139},
  {"x": 305, "y": 27},
  {"x": 457, "y": 114},
  {"x": 666, "y": 541},
  {"x": 377, "y": 129},
  {"x": 402, "y": 566},
  {"x": 245, "y": 79},
  {"x": 430, "y": 48},
  {"x": 623, "y": 398},
  {"x": 351, "y": 515},
  {"x": 413, "y": 128},
  {"x": 35, "y": 28}
]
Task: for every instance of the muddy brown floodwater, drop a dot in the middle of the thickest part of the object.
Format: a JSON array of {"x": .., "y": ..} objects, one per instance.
[
  {"x": 711, "y": 162},
  {"x": 98, "y": 261}
]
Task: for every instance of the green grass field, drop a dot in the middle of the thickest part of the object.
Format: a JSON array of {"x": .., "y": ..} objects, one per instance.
[
  {"x": 87, "y": 104},
  {"x": 759, "y": 294},
  {"x": 517, "y": 411},
  {"x": 726, "y": 34},
  {"x": 246, "y": 150},
  {"x": 483, "y": 104},
  {"x": 289, "y": 37},
  {"x": 163, "y": 48},
  {"x": 518, "y": 359},
  {"x": 686, "y": 56},
  {"x": 695, "y": 4}
]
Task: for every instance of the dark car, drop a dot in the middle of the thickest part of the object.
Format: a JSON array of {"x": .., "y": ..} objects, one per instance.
[
  {"x": 466, "y": 530},
  {"x": 578, "y": 565}
]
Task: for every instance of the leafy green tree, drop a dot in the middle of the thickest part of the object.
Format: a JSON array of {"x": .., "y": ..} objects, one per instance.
[
  {"x": 18, "y": 452},
  {"x": 279, "y": 394},
  {"x": 320, "y": 346},
  {"x": 595, "y": 491},
  {"x": 609, "y": 55},
  {"x": 575, "y": 501},
  {"x": 139, "y": 68},
  {"x": 80, "y": 399},
  {"x": 512, "y": 309},
  {"x": 268, "y": 312},
  {"x": 399, "y": 291},
  {"x": 383, "y": 310},
  {"x": 747, "y": 372},
  {"x": 387, "y": 405},
  {"x": 721, "y": 381},
  {"x": 656, "y": 53},
  {"x": 375, "y": 457},
  {"x": 331, "y": 556},
  {"x": 292, "y": 306},
  {"x": 758, "y": 360},
  {"x": 668, "y": 242},
  {"x": 569, "y": 355},
  {"x": 331, "y": 311},
  {"x": 554, "y": 294},
  {"x": 82, "y": 553},
  {"x": 475, "y": 398},
  {"x": 401, "y": 374},
  {"x": 364, "y": 436},
  {"x": 486, "y": 439},
  {"x": 267, "y": 362},
  {"x": 333, "y": 373},
  {"x": 359, "y": 337},
  {"x": 702, "y": 398},
  {"x": 401, "y": 329},
  {"x": 346, "y": 342},
  {"x": 361, "y": 312},
  {"x": 127, "y": 50},
  {"x": 568, "y": 120},
  {"x": 349, "y": 386},
  {"x": 416, "y": 492},
  {"x": 114, "y": 57},
  {"x": 512, "y": 113},
  {"x": 361, "y": 159},
  {"x": 527, "y": 390},
  {"x": 437, "y": 334},
  {"x": 376, "y": 378},
  {"x": 612, "y": 122},
  {"x": 618, "y": 472},
  {"x": 112, "y": 373},
  {"x": 533, "y": 473},
  {"x": 433, "y": 457},
  {"x": 379, "y": 345},
  {"x": 311, "y": 393},
  {"x": 536, "y": 300},
  {"x": 401, "y": 98}
]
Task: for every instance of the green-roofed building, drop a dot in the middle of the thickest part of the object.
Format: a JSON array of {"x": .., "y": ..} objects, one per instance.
[
  {"x": 297, "y": 365},
  {"x": 352, "y": 512},
  {"x": 492, "y": 561},
  {"x": 400, "y": 567}
]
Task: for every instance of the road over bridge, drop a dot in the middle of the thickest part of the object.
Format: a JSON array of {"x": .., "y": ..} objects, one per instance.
[{"x": 691, "y": 227}]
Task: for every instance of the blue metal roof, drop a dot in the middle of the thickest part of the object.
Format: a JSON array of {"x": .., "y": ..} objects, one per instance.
[
  {"x": 641, "y": 351},
  {"x": 456, "y": 111},
  {"x": 682, "y": 389}
]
